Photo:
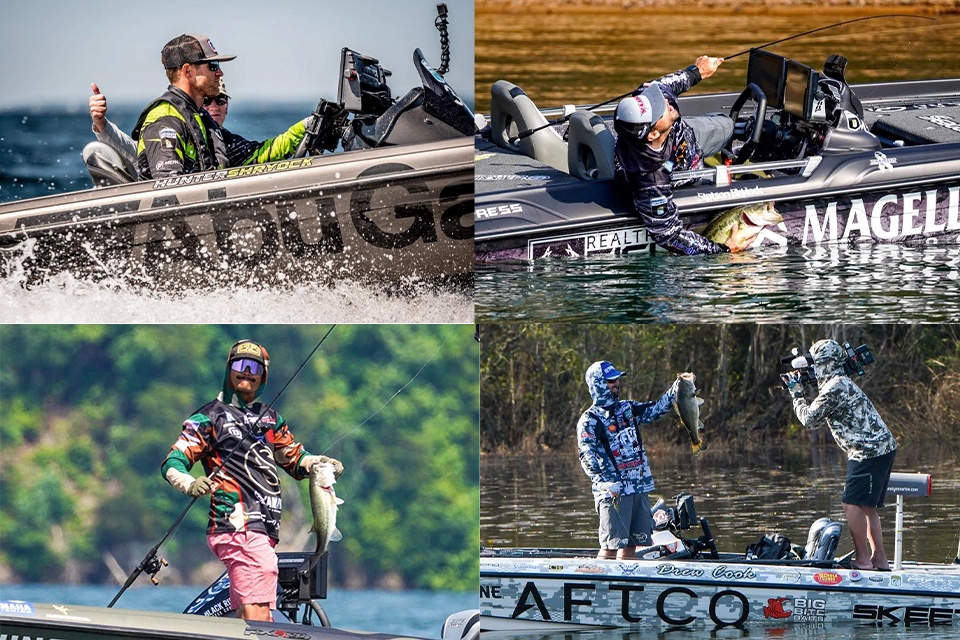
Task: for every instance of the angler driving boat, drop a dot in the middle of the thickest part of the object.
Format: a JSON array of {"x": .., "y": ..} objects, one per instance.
[
  {"x": 814, "y": 160},
  {"x": 689, "y": 583},
  {"x": 393, "y": 207}
]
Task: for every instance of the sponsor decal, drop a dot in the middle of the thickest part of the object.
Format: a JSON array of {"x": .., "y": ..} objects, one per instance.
[
  {"x": 660, "y": 516},
  {"x": 580, "y": 245},
  {"x": 500, "y": 210},
  {"x": 17, "y": 608},
  {"x": 907, "y": 615},
  {"x": 275, "y": 633},
  {"x": 585, "y": 568},
  {"x": 790, "y": 576},
  {"x": 877, "y": 579},
  {"x": 888, "y": 217},
  {"x": 827, "y": 578},
  {"x": 913, "y": 107},
  {"x": 809, "y": 610},
  {"x": 555, "y": 567},
  {"x": 168, "y": 133},
  {"x": 249, "y": 347},
  {"x": 212, "y": 48},
  {"x": 733, "y": 193},
  {"x": 673, "y": 570},
  {"x": 855, "y": 576},
  {"x": 943, "y": 121},
  {"x": 896, "y": 581},
  {"x": 508, "y": 176},
  {"x": 723, "y": 573},
  {"x": 880, "y": 160},
  {"x": 491, "y": 591},
  {"x": 774, "y": 608},
  {"x": 64, "y": 614}
]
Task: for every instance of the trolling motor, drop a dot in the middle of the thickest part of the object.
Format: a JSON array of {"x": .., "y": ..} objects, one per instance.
[{"x": 802, "y": 364}]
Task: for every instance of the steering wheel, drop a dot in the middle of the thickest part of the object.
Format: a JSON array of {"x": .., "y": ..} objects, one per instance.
[{"x": 753, "y": 135}]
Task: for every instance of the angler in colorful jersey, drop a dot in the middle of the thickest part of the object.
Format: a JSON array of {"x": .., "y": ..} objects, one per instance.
[
  {"x": 245, "y": 505},
  {"x": 654, "y": 140},
  {"x": 862, "y": 434},
  {"x": 613, "y": 457},
  {"x": 175, "y": 135}
]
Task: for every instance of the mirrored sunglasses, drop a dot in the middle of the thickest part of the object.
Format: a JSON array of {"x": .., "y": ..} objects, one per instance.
[
  {"x": 212, "y": 65},
  {"x": 220, "y": 100},
  {"x": 251, "y": 366}
]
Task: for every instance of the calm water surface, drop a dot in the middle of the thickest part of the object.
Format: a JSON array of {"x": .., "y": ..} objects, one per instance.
[
  {"x": 545, "y": 501},
  {"x": 419, "y": 613},
  {"x": 875, "y": 283}
]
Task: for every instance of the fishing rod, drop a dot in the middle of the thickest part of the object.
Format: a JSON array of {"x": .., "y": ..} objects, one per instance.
[
  {"x": 409, "y": 382},
  {"x": 529, "y": 132},
  {"x": 838, "y": 24},
  {"x": 150, "y": 563}
]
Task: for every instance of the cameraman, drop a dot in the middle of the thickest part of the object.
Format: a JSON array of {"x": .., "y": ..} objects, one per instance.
[{"x": 862, "y": 435}]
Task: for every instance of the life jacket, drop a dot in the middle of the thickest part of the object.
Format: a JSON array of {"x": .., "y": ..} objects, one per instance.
[{"x": 211, "y": 149}]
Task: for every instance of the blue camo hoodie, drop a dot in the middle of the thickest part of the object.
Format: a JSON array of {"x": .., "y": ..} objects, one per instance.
[{"x": 608, "y": 438}]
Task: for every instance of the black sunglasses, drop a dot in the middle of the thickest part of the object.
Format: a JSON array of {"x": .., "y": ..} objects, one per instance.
[
  {"x": 213, "y": 66},
  {"x": 220, "y": 100}
]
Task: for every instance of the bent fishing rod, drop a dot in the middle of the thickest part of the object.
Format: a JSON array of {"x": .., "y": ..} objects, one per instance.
[
  {"x": 151, "y": 564},
  {"x": 529, "y": 132}
]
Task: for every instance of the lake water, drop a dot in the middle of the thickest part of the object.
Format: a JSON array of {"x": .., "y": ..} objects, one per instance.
[
  {"x": 418, "y": 613},
  {"x": 874, "y": 283},
  {"x": 545, "y": 501},
  {"x": 584, "y": 56},
  {"x": 40, "y": 155}
]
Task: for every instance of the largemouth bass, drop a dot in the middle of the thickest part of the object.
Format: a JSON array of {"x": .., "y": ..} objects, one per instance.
[
  {"x": 323, "y": 502},
  {"x": 740, "y": 226},
  {"x": 688, "y": 407}
]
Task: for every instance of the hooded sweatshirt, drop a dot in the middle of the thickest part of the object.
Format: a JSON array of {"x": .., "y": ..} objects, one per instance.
[
  {"x": 246, "y": 494},
  {"x": 853, "y": 420},
  {"x": 608, "y": 438}
]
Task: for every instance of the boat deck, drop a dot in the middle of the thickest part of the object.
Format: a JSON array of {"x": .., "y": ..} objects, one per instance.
[{"x": 916, "y": 115}]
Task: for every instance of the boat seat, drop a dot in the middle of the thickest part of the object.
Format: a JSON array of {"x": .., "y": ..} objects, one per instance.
[
  {"x": 105, "y": 165},
  {"x": 589, "y": 147},
  {"x": 511, "y": 112}
]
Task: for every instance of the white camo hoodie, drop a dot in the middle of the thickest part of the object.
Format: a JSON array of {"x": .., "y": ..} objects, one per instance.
[{"x": 853, "y": 420}]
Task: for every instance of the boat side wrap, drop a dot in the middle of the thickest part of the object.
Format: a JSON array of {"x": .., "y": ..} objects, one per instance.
[
  {"x": 395, "y": 213},
  {"x": 587, "y": 592}
]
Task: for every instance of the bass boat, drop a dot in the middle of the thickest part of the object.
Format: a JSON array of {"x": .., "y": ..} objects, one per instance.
[
  {"x": 814, "y": 160},
  {"x": 681, "y": 583},
  {"x": 302, "y": 582},
  {"x": 394, "y": 206}
]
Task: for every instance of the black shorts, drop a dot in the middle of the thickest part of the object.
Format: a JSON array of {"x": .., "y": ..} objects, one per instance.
[{"x": 867, "y": 480}]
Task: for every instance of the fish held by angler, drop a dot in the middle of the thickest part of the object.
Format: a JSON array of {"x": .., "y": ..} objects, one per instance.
[
  {"x": 323, "y": 503},
  {"x": 688, "y": 408},
  {"x": 740, "y": 226}
]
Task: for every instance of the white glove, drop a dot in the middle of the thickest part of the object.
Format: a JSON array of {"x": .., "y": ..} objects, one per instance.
[
  {"x": 612, "y": 488},
  {"x": 187, "y": 484}
]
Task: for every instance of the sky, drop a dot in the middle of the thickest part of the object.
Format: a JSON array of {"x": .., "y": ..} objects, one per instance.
[{"x": 287, "y": 50}]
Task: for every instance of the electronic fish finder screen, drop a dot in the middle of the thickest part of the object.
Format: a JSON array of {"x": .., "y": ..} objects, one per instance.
[
  {"x": 798, "y": 89},
  {"x": 766, "y": 70}
]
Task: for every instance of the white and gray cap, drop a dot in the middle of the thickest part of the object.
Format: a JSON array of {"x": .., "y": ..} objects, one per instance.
[{"x": 636, "y": 115}]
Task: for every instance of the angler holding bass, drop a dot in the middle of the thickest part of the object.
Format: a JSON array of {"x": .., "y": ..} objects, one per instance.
[
  {"x": 250, "y": 442},
  {"x": 613, "y": 457}
]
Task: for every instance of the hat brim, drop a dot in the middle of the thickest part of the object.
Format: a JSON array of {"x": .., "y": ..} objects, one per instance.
[{"x": 217, "y": 59}]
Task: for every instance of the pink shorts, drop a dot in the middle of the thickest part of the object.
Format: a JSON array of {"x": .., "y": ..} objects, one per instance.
[{"x": 251, "y": 564}]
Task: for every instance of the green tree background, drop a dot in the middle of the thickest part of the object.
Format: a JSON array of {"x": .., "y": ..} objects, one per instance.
[
  {"x": 533, "y": 391},
  {"x": 89, "y": 413}
]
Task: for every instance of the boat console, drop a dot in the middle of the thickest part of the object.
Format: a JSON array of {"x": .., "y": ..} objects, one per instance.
[{"x": 800, "y": 112}]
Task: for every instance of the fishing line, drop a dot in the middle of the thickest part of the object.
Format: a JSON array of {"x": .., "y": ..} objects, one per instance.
[
  {"x": 900, "y": 59},
  {"x": 409, "y": 382},
  {"x": 150, "y": 563},
  {"x": 529, "y": 132}
]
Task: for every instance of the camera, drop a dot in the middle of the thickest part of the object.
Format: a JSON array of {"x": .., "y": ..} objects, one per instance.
[{"x": 802, "y": 363}]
